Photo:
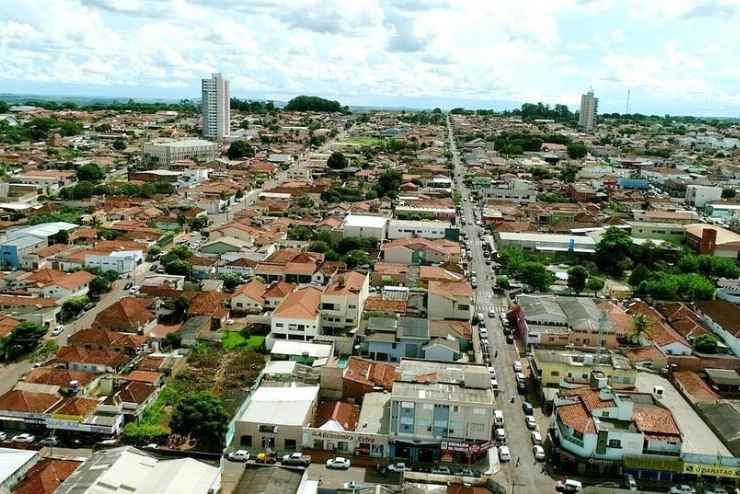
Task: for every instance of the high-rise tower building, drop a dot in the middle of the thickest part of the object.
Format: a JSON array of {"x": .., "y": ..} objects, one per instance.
[
  {"x": 589, "y": 109},
  {"x": 216, "y": 107}
]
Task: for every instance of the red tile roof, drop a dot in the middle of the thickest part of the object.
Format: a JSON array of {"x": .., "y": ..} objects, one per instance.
[
  {"x": 127, "y": 314},
  {"x": 653, "y": 419},
  {"x": 76, "y": 354},
  {"x": 345, "y": 414},
  {"x": 58, "y": 377},
  {"x": 76, "y": 406},
  {"x": 102, "y": 337},
  {"x": 345, "y": 283},
  {"x": 695, "y": 386},
  {"x": 27, "y": 401},
  {"x": 577, "y": 417},
  {"x": 300, "y": 304},
  {"x": 371, "y": 373},
  {"x": 137, "y": 392},
  {"x": 45, "y": 476}
]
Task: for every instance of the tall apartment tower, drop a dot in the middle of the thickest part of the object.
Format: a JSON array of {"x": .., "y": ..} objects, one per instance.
[
  {"x": 216, "y": 108},
  {"x": 589, "y": 108}
]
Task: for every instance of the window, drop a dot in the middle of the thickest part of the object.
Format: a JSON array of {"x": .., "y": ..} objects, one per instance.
[
  {"x": 278, "y": 325},
  {"x": 290, "y": 444},
  {"x": 554, "y": 374},
  {"x": 246, "y": 441},
  {"x": 351, "y": 306},
  {"x": 454, "y": 409},
  {"x": 476, "y": 428},
  {"x": 615, "y": 443},
  {"x": 463, "y": 307}
]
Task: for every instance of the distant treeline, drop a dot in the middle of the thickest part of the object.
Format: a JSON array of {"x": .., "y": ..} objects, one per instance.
[
  {"x": 184, "y": 105},
  {"x": 314, "y": 103}
]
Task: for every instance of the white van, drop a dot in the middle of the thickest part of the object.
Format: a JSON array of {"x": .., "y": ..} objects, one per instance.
[{"x": 498, "y": 418}]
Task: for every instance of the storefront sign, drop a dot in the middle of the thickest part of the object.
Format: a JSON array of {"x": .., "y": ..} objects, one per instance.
[{"x": 712, "y": 470}]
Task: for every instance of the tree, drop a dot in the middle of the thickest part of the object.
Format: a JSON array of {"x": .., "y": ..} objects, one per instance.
[
  {"x": 728, "y": 193},
  {"x": 90, "y": 173},
  {"x": 199, "y": 222},
  {"x": 231, "y": 281},
  {"x": 73, "y": 306},
  {"x": 304, "y": 202},
  {"x": 595, "y": 284},
  {"x": 23, "y": 339},
  {"x": 119, "y": 144},
  {"x": 201, "y": 416},
  {"x": 313, "y": 103},
  {"x": 577, "y": 150},
  {"x": 357, "y": 258},
  {"x": 99, "y": 285},
  {"x": 154, "y": 251},
  {"x": 337, "y": 161},
  {"x": 239, "y": 150},
  {"x": 179, "y": 268},
  {"x": 613, "y": 252},
  {"x": 83, "y": 190},
  {"x": 577, "y": 279},
  {"x": 706, "y": 343},
  {"x": 639, "y": 274},
  {"x": 568, "y": 174},
  {"x": 640, "y": 326},
  {"x": 389, "y": 183},
  {"x": 535, "y": 275}
]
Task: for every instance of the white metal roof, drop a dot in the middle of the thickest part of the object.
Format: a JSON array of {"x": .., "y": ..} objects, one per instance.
[
  {"x": 357, "y": 220},
  {"x": 281, "y": 405},
  {"x": 11, "y": 460}
]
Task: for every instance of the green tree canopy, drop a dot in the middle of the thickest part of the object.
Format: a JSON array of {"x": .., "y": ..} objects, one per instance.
[
  {"x": 313, "y": 103},
  {"x": 201, "y": 416},
  {"x": 119, "y": 144},
  {"x": 23, "y": 339},
  {"x": 613, "y": 252},
  {"x": 577, "y": 150},
  {"x": 595, "y": 284},
  {"x": 240, "y": 149},
  {"x": 577, "y": 276},
  {"x": 337, "y": 161},
  {"x": 535, "y": 275},
  {"x": 90, "y": 173}
]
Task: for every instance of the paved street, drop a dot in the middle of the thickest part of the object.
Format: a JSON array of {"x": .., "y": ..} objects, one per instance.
[
  {"x": 11, "y": 373},
  {"x": 529, "y": 476}
]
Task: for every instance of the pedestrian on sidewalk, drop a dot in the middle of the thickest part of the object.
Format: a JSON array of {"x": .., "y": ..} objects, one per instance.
[{"x": 518, "y": 459}]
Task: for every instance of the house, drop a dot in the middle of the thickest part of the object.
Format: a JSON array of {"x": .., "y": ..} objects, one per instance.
[
  {"x": 136, "y": 396},
  {"x": 442, "y": 350},
  {"x": 45, "y": 476},
  {"x": 276, "y": 293},
  {"x": 421, "y": 251},
  {"x": 388, "y": 273},
  {"x": 450, "y": 300},
  {"x": 554, "y": 369},
  {"x": 15, "y": 253},
  {"x": 128, "y": 315},
  {"x": 343, "y": 300},
  {"x": 238, "y": 231},
  {"x": 249, "y": 297},
  {"x": 42, "y": 311},
  {"x": 663, "y": 335},
  {"x": 50, "y": 283},
  {"x": 97, "y": 361},
  {"x": 51, "y": 376},
  {"x": 195, "y": 329},
  {"x": 723, "y": 318},
  {"x": 392, "y": 338},
  {"x": 606, "y": 425},
  {"x": 210, "y": 304},
  {"x": 362, "y": 226},
  {"x": 100, "y": 339},
  {"x": 362, "y": 376},
  {"x": 297, "y": 317},
  {"x": 137, "y": 472}
]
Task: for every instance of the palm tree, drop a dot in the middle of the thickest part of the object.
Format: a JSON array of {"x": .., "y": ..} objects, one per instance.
[{"x": 640, "y": 326}]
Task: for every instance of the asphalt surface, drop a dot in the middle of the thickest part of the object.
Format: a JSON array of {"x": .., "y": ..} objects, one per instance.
[{"x": 529, "y": 475}]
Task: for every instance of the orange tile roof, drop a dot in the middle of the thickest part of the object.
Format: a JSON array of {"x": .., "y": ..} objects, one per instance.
[
  {"x": 16, "y": 301},
  {"x": 58, "y": 377},
  {"x": 73, "y": 354},
  {"x": 384, "y": 305},
  {"x": 107, "y": 338},
  {"x": 653, "y": 419},
  {"x": 255, "y": 290},
  {"x": 76, "y": 406},
  {"x": 371, "y": 373},
  {"x": 137, "y": 392},
  {"x": 279, "y": 289},
  {"x": 695, "y": 386},
  {"x": 300, "y": 304},
  {"x": 144, "y": 376},
  {"x": 7, "y": 325},
  {"x": 576, "y": 416},
  {"x": 391, "y": 268},
  {"x": 45, "y": 476},
  {"x": 207, "y": 304},
  {"x": 660, "y": 332},
  {"x": 128, "y": 313},
  {"x": 451, "y": 288},
  {"x": 26, "y": 401},
  {"x": 345, "y": 414},
  {"x": 345, "y": 283}
]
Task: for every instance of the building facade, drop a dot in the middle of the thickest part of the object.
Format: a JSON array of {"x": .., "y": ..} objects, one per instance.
[
  {"x": 216, "y": 107},
  {"x": 589, "y": 109}
]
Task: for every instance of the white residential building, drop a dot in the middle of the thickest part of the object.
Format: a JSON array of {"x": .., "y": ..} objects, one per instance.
[
  {"x": 516, "y": 191},
  {"x": 363, "y": 226},
  {"x": 124, "y": 261},
  {"x": 343, "y": 300},
  {"x": 589, "y": 110},
  {"x": 216, "y": 107},
  {"x": 700, "y": 195},
  {"x": 297, "y": 317}
]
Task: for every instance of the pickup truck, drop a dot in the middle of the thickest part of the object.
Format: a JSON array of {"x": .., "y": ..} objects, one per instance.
[{"x": 297, "y": 459}]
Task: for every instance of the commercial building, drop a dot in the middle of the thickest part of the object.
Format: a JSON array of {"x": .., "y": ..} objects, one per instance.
[
  {"x": 216, "y": 107},
  {"x": 713, "y": 240},
  {"x": 168, "y": 151},
  {"x": 603, "y": 425},
  {"x": 127, "y": 469},
  {"x": 15, "y": 463},
  {"x": 589, "y": 110},
  {"x": 447, "y": 413},
  {"x": 547, "y": 242},
  {"x": 276, "y": 416},
  {"x": 362, "y": 226},
  {"x": 426, "y": 229},
  {"x": 516, "y": 191}
]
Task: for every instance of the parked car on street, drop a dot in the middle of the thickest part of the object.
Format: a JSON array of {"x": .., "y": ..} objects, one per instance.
[
  {"x": 536, "y": 438},
  {"x": 518, "y": 367},
  {"x": 23, "y": 438},
  {"x": 398, "y": 467},
  {"x": 527, "y": 408},
  {"x": 538, "y": 452},
  {"x": 338, "y": 463},
  {"x": 239, "y": 455},
  {"x": 568, "y": 485},
  {"x": 682, "y": 489},
  {"x": 504, "y": 454},
  {"x": 296, "y": 458},
  {"x": 58, "y": 330},
  {"x": 441, "y": 470},
  {"x": 531, "y": 422}
]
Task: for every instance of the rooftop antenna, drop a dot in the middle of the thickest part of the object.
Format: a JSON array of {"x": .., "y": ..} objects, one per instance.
[{"x": 627, "y": 107}]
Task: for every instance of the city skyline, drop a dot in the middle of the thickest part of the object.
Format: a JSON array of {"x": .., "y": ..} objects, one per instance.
[{"x": 388, "y": 53}]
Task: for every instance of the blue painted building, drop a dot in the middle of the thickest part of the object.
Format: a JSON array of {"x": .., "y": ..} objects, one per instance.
[
  {"x": 13, "y": 251},
  {"x": 633, "y": 183}
]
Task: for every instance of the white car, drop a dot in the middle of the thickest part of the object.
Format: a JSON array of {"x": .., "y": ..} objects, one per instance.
[
  {"x": 23, "y": 438},
  {"x": 58, "y": 330},
  {"x": 134, "y": 290},
  {"x": 682, "y": 489},
  {"x": 531, "y": 422},
  {"x": 483, "y": 332},
  {"x": 536, "y": 438},
  {"x": 492, "y": 313},
  {"x": 518, "y": 367},
  {"x": 538, "y": 452},
  {"x": 398, "y": 467},
  {"x": 239, "y": 455},
  {"x": 504, "y": 454},
  {"x": 492, "y": 371},
  {"x": 338, "y": 463}
]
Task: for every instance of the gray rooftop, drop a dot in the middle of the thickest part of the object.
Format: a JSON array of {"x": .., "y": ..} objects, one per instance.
[
  {"x": 585, "y": 359},
  {"x": 413, "y": 327},
  {"x": 374, "y": 414}
]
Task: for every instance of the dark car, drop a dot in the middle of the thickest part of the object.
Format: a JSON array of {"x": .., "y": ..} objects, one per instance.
[
  {"x": 527, "y": 408},
  {"x": 509, "y": 339}
]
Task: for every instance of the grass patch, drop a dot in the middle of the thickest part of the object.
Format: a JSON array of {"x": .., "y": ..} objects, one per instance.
[
  {"x": 363, "y": 141},
  {"x": 233, "y": 340}
]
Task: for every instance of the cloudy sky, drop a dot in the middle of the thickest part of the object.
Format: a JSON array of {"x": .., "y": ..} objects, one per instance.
[{"x": 676, "y": 56}]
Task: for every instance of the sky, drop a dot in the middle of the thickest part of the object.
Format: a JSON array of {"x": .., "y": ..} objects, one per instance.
[{"x": 680, "y": 57}]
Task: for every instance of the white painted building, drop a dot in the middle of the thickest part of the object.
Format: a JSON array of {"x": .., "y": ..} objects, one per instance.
[
  {"x": 124, "y": 261},
  {"x": 365, "y": 226},
  {"x": 168, "y": 151},
  {"x": 408, "y": 228},
  {"x": 700, "y": 195},
  {"x": 216, "y": 107}
]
